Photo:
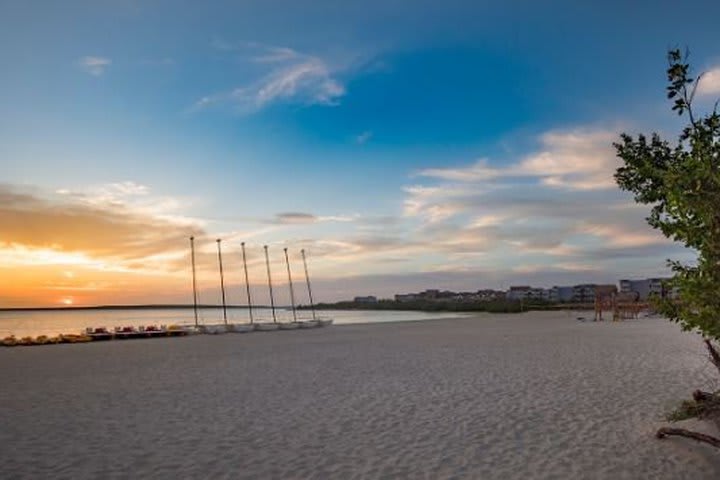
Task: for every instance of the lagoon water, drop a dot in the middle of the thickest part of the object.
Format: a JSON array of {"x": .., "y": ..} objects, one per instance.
[{"x": 53, "y": 322}]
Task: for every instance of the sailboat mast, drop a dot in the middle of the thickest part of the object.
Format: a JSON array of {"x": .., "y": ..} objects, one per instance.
[
  {"x": 272, "y": 299},
  {"x": 292, "y": 292},
  {"x": 194, "y": 282},
  {"x": 247, "y": 283},
  {"x": 307, "y": 279},
  {"x": 222, "y": 281}
]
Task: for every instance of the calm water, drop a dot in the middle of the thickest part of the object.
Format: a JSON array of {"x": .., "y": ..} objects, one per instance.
[{"x": 73, "y": 321}]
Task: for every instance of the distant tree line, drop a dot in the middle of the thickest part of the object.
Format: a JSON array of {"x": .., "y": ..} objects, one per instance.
[{"x": 495, "y": 306}]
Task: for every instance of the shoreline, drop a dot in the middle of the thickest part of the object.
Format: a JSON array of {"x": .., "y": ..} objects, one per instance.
[
  {"x": 127, "y": 307},
  {"x": 51, "y": 323},
  {"x": 320, "y": 308}
]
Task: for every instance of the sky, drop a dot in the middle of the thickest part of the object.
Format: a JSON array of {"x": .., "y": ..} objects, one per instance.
[{"x": 403, "y": 144}]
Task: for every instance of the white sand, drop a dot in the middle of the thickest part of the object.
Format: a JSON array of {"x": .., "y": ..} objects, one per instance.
[{"x": 536, "y": 395}]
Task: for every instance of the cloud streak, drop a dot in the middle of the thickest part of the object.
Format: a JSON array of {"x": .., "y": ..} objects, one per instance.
[
  {"x": 95, "y": 66},
  {"x": 103, "y": 231},
  {"x": 289, "y": 76},
  {"x": 576, "y": 160}
]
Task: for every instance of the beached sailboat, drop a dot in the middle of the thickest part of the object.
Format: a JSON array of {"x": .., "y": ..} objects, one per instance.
[
  {"x": 212, "y": 328},
  {"x": 267, "y": 326},
  {"x": 240, "y": 327},
  {"x": 320, "y": 322},
  {"x": 245, "y": 327},
  {"x": 197, "y": 327},
  {"x": 194, "y": 281},
  {"x": 222, "y": 284},
  {"x": 289, "y": 325},
  {"x": 225, "y": 326},
  {"x": 294, "y": 324}
]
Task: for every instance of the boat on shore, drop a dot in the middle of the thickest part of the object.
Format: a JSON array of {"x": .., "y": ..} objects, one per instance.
[
  {"x": 12, "y": 341},
  {"x": 216, "y": 329},
  {"x": 126, "y": 333},
  {"x": 241, "y": 327},
  {"x": 98, "y": 334},
  {"x": 153, "y": 331},
  {"x": 73, "y": 338},
  {"x": 316, "y": 321},
  {"x": 93, "y": 334},
  {"x": 178, "y": 331},
  {"x": 289, "y": 325},
  {"x": 266, "y": 326}
]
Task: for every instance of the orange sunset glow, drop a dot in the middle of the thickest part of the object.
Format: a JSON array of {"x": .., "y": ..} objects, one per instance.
[{"x": 83, "y": 250}]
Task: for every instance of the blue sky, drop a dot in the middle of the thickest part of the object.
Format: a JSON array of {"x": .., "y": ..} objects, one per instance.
[{"x": 449, "y": 144}]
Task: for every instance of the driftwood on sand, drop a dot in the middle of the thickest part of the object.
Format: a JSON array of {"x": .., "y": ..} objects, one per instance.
[
  {"x": 705, "y": 405},
  {"x": 681, "y": 432}
]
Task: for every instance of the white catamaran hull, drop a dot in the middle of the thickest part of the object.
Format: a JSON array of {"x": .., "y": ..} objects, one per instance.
[
  {"x": 242, "y": 328},
  {"x": 213, "y": 329},
  {"x": 309, "y": 324},
  {"x": 289, "y": 325},
  {"x": 266, "y": 327}
]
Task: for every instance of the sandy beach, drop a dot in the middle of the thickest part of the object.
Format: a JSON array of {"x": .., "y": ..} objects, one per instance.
[{"x": 535, "y": 395}]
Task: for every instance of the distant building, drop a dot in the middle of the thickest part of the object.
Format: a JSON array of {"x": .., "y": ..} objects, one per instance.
[
  {"x": 584, "y": 293},
  {"x": 560, "y": 294},
  {"x": 407, "y": 297},
  {"x": 656, "y": 287},
  {"x": 606, "y": 289},
  {"x": 646, "y": 288},
  {"x": 460, "y": 296},
  {"x": 519, "y": 293},
  {"x": 489, "y": 295},
  {"x": 368, "y": 299},
  {"x": 539, "y": 294},
  {"x": 639, "y": 287}
]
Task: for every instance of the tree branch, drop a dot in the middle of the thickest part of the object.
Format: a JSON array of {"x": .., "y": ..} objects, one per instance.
[
  {"x": 688, "y": 104},
  {"x": 714, "y": 354},
  {"x": 695, "y": 86},
  {"x": 681, "y": 432}
]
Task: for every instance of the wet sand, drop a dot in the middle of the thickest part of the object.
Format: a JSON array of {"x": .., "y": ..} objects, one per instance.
[{"x": 536, "y": 395}]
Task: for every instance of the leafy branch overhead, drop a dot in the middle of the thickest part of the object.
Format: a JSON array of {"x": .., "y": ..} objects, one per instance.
[{"x": 680, "y": 180}]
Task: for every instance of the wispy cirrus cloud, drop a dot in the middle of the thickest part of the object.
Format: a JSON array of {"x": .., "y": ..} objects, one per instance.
[
  {"x": 577, "y": 160},
  {"x": 95, "y": 66},
  {"x": 302, "y": 218},
  {"x": 287, "y": 75}
]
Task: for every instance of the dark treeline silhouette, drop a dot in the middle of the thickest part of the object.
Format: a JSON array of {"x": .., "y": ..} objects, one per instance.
[{"x": 497, "y": 306}]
